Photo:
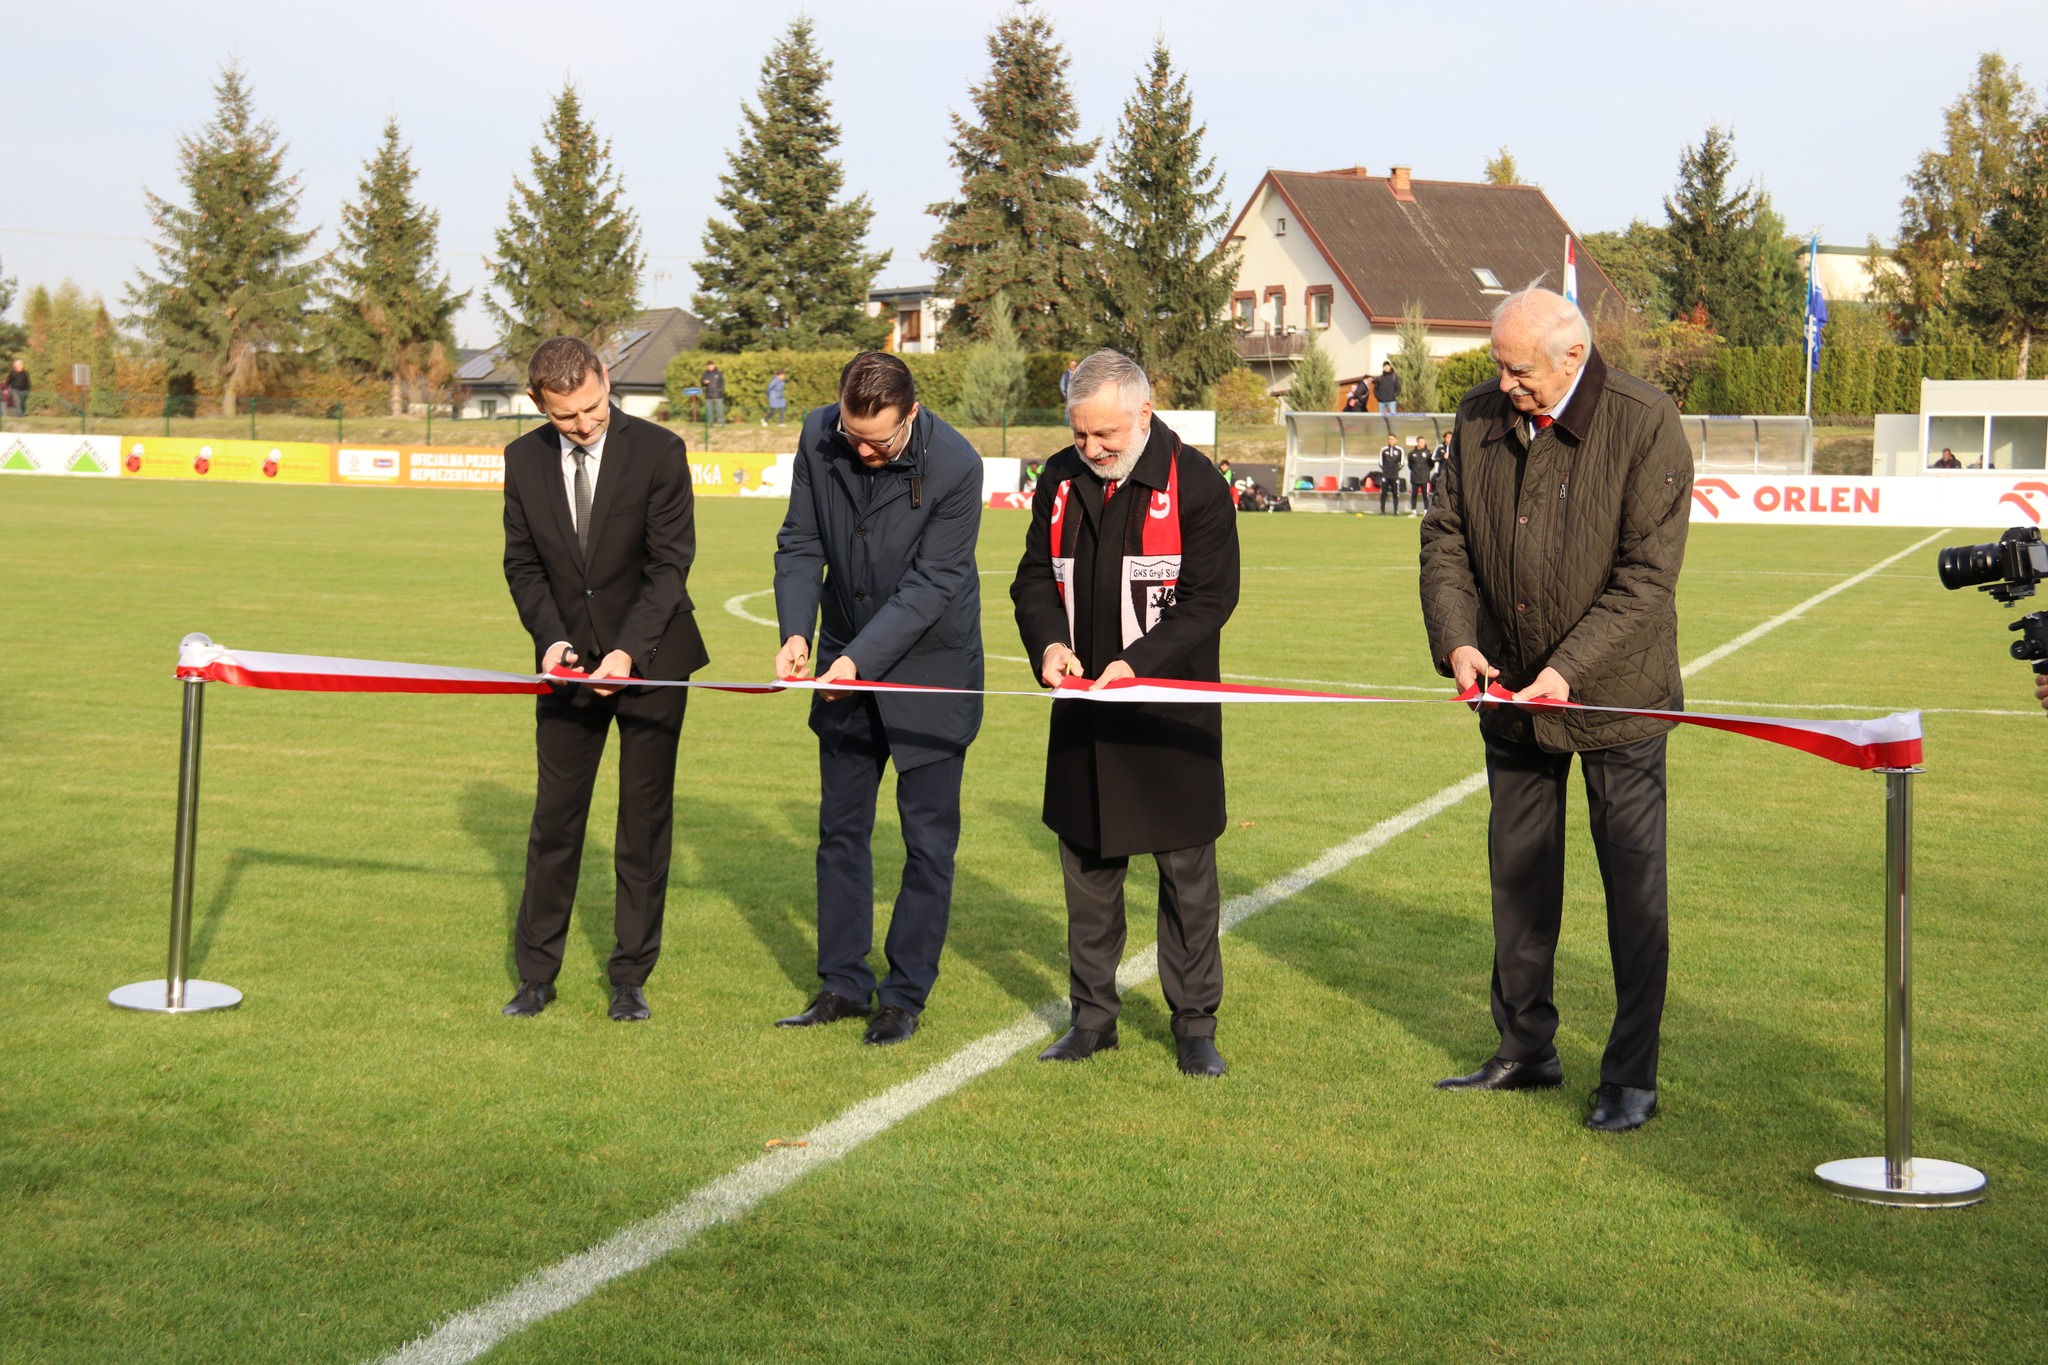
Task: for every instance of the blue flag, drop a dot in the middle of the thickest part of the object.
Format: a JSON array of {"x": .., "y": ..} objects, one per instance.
[{"x": 1816, "y": 306}]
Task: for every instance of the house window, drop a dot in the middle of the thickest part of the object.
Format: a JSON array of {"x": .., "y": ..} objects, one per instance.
[
  {"x": 1281, "y": 230},
  {"x": 1276, "y": 308},
  {"x": 909, "y": 325},
  {"x": 487, "y": 406},
  {"x": 1489, "y": 283},
  {"x": 1319, "y": 306},
  {"x": 1243, "y": 308}
]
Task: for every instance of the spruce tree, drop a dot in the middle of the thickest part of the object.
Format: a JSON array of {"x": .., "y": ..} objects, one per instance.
[
  {"x": 1020, "y": 225},
  {"x": 788, "y": 271},
  {"x": 569, "y": 258},
  {"x": 229, "y": 297},
  {"x": 1728, "y": 250},
  {"x": 1162, "y": 267},
  {"x": 2004, "y": 291},
  {"x": 389, "y": 307}
]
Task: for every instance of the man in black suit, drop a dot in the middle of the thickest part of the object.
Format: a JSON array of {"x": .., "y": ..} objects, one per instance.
[
  {"x": 884, "y": 509},
  {"x": 1130, "y": 568},
  {"x": 599, "y": 533}
]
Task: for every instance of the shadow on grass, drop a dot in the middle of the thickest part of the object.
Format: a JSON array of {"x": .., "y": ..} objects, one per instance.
[
  {"x": 1751, "y": 1104},
  {"x": 496, "y": 818},
  {"x": 241, "y": 860}
]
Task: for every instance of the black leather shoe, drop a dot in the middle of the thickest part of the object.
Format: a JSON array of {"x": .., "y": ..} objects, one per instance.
[
  {"x": 1199, "y": 1057},
  {"x": 1618, "y": 1108},
  {"x": 828, "y": 1008},
  {"x": 532, "y": 998},
  {"x": 893, "y": 1024},
  {"x": 628, "y": 1003},
  {"x": 1501, "y": 1074},
  {"x": 1079, "y": 1044}
]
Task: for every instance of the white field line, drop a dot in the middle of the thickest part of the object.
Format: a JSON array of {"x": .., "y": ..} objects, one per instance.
[
  {"x": 568, "y": 1282},
  {"x": 1751, "y": 636}
]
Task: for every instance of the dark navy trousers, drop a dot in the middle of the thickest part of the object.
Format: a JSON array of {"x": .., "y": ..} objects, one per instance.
[{"x": 928, "y": 804}]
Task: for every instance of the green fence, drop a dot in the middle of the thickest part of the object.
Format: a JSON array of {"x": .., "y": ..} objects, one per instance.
[{"x": 284, "y": 417}]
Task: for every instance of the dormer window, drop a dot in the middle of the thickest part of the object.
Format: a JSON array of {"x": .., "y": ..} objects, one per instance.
[{"x": 1489, "y": 283}]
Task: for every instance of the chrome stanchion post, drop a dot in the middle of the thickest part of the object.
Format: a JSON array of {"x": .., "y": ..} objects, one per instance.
[
  {"x": 1898, "y": 1177},
  {"x": 175, "y": 994}
]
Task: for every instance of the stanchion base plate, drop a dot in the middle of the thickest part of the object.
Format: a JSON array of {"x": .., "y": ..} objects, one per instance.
[
  {"x": 154, "y": 996},
  {"x": 1928, "y": 1184}
]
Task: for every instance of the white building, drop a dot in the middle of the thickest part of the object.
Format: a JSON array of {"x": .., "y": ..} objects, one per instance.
[
  {"x": 488, "y": 386},
  {"x": 1345, "y": 252},
  {"x": 1844, "y": 273},
  {"x": 916, "y": 312}
]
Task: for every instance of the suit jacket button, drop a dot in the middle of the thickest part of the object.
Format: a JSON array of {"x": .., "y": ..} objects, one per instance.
[
  {"x": 590, "y": 592},
  {"x": 860, "y": 595},
  {"x": 861, "y": 531}
]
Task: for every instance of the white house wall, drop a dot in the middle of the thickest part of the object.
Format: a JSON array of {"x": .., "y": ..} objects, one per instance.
[{"x": 1294, "y": 263}]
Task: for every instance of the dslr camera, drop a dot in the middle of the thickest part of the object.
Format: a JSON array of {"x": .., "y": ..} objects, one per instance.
[{"x": 2008, "y": 569}]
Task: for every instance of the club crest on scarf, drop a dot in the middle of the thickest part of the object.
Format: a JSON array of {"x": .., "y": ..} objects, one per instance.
[{"x": 1151, "y": 559}]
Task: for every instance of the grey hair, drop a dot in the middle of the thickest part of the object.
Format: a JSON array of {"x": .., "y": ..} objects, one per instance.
[
  {"x": 1564, "y": 325},
  {"x": 1108, "y": 368}
]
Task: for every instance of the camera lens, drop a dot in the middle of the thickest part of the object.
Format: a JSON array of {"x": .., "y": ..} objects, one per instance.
[{"x": 1966, "y": 566}]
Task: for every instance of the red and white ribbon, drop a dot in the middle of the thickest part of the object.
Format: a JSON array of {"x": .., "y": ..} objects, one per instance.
[{"x": 1892, "y": 741}]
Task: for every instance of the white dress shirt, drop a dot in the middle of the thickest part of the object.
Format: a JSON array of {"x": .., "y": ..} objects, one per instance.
[{"x": 1555, "y": 408}]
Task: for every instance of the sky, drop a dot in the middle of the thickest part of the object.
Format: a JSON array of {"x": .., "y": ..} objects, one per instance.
[{"x": 1830, "y": 104}]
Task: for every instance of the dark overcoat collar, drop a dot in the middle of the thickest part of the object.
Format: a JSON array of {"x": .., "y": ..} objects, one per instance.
[{"x": 1577, "y": 417}]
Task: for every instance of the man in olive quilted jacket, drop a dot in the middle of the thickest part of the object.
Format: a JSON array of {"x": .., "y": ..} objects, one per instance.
[{"x": 1550, "y": 560}]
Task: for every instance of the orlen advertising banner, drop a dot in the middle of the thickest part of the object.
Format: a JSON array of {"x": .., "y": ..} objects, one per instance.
[
  {"x": 97, "y": 457},
  {"x": 2019, "y": 499},
  {"x": 181, "y": 457},
  {"x": 478, "y": 467}
]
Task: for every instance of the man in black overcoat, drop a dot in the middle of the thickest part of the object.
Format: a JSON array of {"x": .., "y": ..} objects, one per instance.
[
  {"x": 600, "y": 530},
  {"x": 1130, "y": 568},
  {"x": 884, "y": 509}
]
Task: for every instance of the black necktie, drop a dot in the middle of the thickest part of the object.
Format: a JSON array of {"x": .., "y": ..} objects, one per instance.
[{"x": 579, "y": 455}]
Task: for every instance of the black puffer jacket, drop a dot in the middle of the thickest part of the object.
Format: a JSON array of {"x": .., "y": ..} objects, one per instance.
[{"x": 1564, "y": 552}]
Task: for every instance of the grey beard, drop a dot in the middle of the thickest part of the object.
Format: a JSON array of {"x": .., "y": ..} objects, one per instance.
[{"x": 1121, "y": 468}]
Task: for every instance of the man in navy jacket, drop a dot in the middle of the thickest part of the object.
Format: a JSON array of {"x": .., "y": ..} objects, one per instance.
[{"x": 884, "y": 509}]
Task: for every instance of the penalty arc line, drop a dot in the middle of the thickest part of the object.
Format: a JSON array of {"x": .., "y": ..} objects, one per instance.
[{"x": 568, "y": 1282}]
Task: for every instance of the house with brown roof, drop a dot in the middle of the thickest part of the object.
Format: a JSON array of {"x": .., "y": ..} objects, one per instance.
[
  {"x": 1343, "y": 253},
  {"x": 487, "y": 385}
]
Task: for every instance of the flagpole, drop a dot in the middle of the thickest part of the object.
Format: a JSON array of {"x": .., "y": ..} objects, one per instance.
[{"x": 1812, "y": 274}]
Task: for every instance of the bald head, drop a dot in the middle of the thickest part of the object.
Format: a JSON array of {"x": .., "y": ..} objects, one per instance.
[{"x": 1540, "y": 343}]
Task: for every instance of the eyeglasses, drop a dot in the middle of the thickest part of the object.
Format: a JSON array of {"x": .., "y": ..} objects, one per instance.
[{"x": 882, "y": 447}]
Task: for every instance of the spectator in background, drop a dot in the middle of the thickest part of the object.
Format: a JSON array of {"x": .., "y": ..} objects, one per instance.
[
  {"x": 1948, "y": 460},
  {"x": 17, "y": 389},
  {"x": 1223, "y": 468},
  {"x": 1438, "y": 462},
  {"x": 1032, "y": 469},
  {"x": 1387, "y": 388},
  {"x": 778, "y": 399},
  {"x": 713, "y": 381},
  {"x": 1418, "y": 472},
  {"x": 1390, "y": 474},
  {"x": 1361, "y": 394},
  {"x": 1067, "y": 377}
]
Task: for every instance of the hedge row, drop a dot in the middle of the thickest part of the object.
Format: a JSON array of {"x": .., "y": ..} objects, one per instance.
[
  {"x": 1854, "y": 381},
  {"x": 812, "y": 380}
]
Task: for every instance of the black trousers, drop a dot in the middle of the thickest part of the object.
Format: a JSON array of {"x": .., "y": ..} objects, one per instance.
[
  {"x": 1415, "y": 489},
  {"x": 1625, "y": 795},
  {"x": 928, "y": 805},
  {"x": 570, "y": 743},
  {"x": 1190, "y": 955},
  {"x": 1390, "y": 490}
]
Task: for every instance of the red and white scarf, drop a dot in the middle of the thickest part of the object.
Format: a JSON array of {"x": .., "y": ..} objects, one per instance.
[{"x": 1151, "y": 560}]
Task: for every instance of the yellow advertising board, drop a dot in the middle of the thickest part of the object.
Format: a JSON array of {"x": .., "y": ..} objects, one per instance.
[
  {"x": 476, "y": 467},
  {"x": 747, "y": 476},
  {"x": 182, "y": 457}
]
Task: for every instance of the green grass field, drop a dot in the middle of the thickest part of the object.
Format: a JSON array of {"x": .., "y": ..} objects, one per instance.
[{"x": 366, "y": 1148}]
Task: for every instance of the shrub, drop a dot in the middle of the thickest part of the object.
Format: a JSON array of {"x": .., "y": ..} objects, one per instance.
[{"x": 1242, "y": 400}]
